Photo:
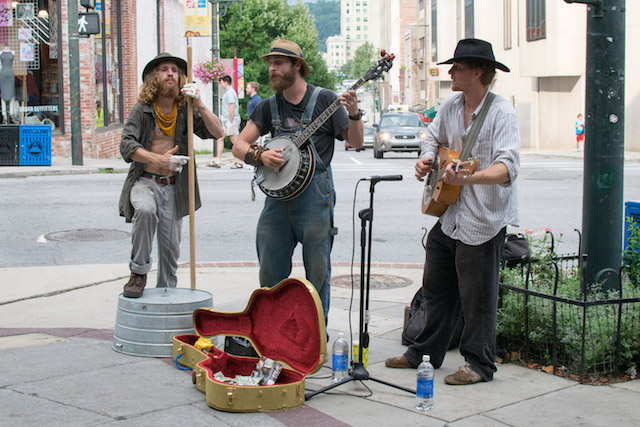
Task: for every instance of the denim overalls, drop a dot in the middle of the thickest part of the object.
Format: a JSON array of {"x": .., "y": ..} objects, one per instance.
[{"x": 307, "y": 219}]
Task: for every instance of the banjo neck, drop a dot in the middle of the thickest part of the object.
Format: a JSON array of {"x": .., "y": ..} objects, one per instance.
[{"x": 304, "y": 135}]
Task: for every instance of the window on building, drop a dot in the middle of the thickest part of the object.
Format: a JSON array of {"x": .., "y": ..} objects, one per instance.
[
  {"x": 33, "y": 89},
  {"x": 359, "y": 37},
  {"x": 358, "y": 19},
  {"x": 348, "y": 38},
  {"x": 348, "y": 28},
  {"x": 347, "y": 19},
  {"x": 507, "y": 24},
  {"x": 358, "y": 28},
  {"x": 365, "y": 19},
  {"x": 108, "y": 76},
  {"x": 468, "y": 18},
  {"x": 434, "y": 30},
  {"x": 536, "y": 23}
]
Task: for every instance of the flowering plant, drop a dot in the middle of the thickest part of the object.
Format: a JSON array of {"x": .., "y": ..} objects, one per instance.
[{"x": 210, "y": 71}]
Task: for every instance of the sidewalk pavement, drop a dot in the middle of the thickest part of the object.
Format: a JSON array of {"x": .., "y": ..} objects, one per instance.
[{"x": 57, "y": 367}]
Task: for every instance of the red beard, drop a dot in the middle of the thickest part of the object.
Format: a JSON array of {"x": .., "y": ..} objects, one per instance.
[
  {"x": 279, "y": 82},
  {"x": 168, "y": 90}
]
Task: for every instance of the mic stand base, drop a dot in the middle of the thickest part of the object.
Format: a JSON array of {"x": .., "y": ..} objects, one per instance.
[{"x": 358, "y": 373}]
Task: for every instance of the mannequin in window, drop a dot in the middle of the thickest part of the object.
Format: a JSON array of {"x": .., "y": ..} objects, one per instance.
[{"x": 7, "y": 82}]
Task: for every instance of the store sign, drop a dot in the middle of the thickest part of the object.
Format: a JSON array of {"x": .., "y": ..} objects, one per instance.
[{"x": 88, "y": 23}]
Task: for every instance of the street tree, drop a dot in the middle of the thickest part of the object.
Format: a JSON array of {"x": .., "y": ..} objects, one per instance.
[
  {"x": 363, "y": 58},
  {"x": 264, "y": 21}
]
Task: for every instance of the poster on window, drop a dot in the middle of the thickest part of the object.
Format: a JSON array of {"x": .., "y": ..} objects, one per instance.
[
  {"x": 6, "y": 13},
  {"x": 24, "y": 34},
  {"x": 27, "y": 52},
  {"x": 196, "y": 18}
]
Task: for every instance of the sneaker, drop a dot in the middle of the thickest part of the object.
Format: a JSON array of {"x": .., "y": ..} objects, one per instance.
[
  {"x": 135, "y": 285},
  {"x": 213, "y": 164},
  {"x": 463, "y": 376},
  {"x": 399, "y": 362}
]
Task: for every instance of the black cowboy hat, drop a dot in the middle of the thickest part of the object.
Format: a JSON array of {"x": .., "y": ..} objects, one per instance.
[
  {"x": 162, "y": 57},
  {"x": 476, "y": 51},
  {"x": 290, "y": 49}
]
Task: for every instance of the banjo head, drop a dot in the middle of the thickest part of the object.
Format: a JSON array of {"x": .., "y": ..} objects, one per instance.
[{"x": 293, "y": 177}]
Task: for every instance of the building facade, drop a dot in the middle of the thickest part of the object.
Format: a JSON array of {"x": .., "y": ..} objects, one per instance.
[{"x": 543, "y": 43}]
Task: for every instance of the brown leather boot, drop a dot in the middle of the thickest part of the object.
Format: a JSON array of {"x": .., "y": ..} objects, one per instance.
[{"x": 135, "y": 285}]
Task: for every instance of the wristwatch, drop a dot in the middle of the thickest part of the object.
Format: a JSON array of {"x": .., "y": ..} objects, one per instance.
[{"x": 358, "y": 116}]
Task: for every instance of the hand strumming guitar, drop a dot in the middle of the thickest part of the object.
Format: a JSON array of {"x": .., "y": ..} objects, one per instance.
[{"x": 423, "y": 166}]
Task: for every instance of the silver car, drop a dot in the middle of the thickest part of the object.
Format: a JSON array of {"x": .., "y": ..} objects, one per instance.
[
  {"x": 399, "y": 131},
  {"x": 368, "y": 140}
]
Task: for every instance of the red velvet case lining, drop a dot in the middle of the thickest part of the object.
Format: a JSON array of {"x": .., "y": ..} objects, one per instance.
[{"x": 281, "y": 322}]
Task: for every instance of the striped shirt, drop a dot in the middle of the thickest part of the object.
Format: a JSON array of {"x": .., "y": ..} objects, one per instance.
[{"x": 481, "y": 210}]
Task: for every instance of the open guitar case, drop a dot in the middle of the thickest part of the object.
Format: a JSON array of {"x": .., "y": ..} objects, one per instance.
[{"x": 284, "y": 323}]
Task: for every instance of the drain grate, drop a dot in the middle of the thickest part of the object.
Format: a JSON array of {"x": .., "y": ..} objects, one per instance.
[
  {"x": 87, "y": 235},
  {"x": 376, "y": 281}
]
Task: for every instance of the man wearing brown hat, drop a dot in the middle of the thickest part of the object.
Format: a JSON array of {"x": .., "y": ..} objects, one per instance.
[
  {"x": 464, "y": 248},
  {"x": 307, "y": 218},
  {"x": 155, "y": 193}
]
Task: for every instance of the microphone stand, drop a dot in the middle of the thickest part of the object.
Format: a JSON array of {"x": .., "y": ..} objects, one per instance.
[{"x": 359, "y": 372}]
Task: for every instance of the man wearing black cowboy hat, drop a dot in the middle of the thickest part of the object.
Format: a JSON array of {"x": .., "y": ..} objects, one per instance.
[
  {"x": 464, "y": 248},
  {"x": 155, "y": 193},
  {"x": 308, "y": 218}
]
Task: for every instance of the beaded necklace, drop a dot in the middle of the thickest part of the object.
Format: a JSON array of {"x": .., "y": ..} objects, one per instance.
[{"x": 166, "y": 122}]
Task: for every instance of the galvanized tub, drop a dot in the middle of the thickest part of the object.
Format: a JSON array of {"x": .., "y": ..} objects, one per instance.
[{"x": 146, "y": 326}]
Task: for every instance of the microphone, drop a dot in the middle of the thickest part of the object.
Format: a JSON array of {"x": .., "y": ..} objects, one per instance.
[{"x": 376, "y": 178}]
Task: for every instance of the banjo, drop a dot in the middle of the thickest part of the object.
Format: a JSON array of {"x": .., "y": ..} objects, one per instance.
[{"x": 292, "y": 178}]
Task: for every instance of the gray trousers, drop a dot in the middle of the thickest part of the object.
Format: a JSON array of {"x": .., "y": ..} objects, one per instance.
[
  {"x": 459, "y": 278},
  {"x": 154, "y": 207}
]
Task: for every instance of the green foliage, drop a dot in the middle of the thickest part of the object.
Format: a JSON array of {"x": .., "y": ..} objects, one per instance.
[
  {"x": 631, "y": 255},
  {"x": 264, "y": 21},
  {"x": 327, "y": 18},
  {"x": 363, "y": 59}
]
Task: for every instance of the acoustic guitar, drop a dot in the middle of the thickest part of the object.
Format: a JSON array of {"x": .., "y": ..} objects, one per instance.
[{"x": 438, "y": 195}]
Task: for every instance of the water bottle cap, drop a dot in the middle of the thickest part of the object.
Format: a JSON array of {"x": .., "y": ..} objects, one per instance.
[{"x": 426, "y": 358}]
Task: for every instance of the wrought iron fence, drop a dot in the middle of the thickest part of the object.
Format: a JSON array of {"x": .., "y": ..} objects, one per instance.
[{"x": 545, "y": 314}]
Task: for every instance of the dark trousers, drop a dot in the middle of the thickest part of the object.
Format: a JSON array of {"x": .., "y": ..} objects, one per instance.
[{"x": 459, "y": 278}]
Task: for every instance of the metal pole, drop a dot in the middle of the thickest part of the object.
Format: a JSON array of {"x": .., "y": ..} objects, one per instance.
[
  {"x": 74, "y": 83},
  {"x": 604, "y": 144},
  {"x": 215, "y": 52}
]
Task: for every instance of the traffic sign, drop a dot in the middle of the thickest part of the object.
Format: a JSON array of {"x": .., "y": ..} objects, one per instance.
[{"x": 88, "y": 23}]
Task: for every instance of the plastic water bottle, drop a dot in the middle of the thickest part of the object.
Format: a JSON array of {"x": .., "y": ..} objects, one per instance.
[
  {"x": 340, "y": 358},
  {"x": 424, "y": 393}
]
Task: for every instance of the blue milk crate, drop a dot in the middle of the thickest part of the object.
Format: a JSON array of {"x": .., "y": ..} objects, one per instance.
[
  {"x": 9, "y": 140},
  {"x": 35, "y": 145}
]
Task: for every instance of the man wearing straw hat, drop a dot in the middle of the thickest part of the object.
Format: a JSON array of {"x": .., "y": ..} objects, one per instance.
[
  {"x": 155, "y": 193},
  {"x": 308, "y": 218},
  {"x": 464, "y": 248}
]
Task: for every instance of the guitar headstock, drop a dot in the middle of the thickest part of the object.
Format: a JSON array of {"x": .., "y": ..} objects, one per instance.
[{"x": 384, "y": 64}]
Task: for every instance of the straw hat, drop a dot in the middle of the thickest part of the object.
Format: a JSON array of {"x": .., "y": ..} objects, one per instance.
[{"x": 290, "y": 49}]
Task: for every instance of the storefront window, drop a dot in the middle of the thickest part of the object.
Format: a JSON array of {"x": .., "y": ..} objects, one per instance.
[
  {"x": 108, "y": 63},
  {"x": 29, "y": 78}
]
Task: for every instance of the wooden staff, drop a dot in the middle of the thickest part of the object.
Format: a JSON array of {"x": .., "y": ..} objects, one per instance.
[{"x": 192, "y": 175}]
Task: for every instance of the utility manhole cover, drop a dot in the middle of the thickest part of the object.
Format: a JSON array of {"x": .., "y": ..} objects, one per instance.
[
  {"x": 87, "y": 235},
  {"x": 377, "y": 281}
]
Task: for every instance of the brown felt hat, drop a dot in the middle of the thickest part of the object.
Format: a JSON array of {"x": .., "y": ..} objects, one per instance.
[
  {"x": 290, "y": 49},
  {"x": 163, "y": 57},
  {"x": 476, "y": 51}
]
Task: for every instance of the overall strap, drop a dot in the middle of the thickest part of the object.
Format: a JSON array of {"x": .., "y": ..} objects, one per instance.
[
  {"x": 475, "y": 128},
  {"x": 308, "y": 113},
  {"x": 275, "y": 117}
]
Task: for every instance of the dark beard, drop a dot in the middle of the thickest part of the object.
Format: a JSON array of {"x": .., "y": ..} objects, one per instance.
[
  {"x": 278, "y": 83},
  {"x": 169, "y": 91}
]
